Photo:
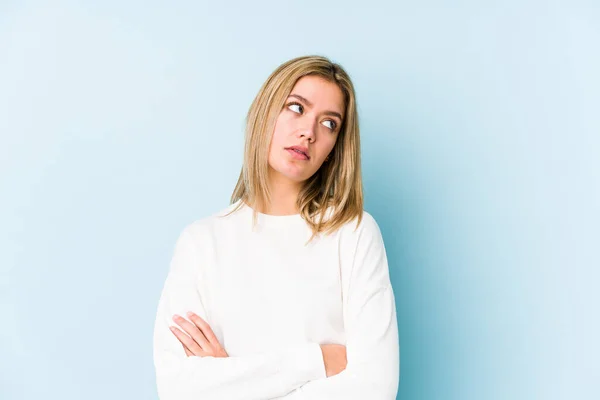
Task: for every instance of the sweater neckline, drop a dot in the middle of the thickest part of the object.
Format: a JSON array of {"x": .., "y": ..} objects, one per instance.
[{"x": 271, "y": 217}]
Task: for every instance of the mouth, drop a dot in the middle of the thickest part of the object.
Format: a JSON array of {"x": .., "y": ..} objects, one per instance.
[{"x": 297, "y": 154}]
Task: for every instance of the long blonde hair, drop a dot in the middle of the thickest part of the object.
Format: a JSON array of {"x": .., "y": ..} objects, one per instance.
[{"x": 336, "y": 188}]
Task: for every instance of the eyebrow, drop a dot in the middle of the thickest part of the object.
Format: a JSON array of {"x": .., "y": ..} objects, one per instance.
[{"x": 308, "y": 103}]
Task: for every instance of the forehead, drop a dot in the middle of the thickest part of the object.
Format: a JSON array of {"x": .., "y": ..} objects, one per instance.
[{"x": 322, "y": 93}]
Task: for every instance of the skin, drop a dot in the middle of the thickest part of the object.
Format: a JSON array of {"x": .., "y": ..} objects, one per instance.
[
  {"x": 308, "y": 122},
  {"x": 304, "y": 125}
]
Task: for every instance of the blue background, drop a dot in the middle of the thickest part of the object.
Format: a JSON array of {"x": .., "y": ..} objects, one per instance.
[{"x": 121, "y": 122}]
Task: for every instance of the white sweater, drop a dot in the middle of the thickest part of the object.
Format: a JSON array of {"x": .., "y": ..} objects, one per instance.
[{"x": 271, "y": 301}]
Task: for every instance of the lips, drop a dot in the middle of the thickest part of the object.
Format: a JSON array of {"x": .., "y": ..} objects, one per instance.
[
  {"x": 297, "y": 155},
  {"x": 299, "y": 151}
]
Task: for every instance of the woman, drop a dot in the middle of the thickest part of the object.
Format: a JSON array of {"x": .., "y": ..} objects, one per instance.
[{"x": 289, "y": 286}]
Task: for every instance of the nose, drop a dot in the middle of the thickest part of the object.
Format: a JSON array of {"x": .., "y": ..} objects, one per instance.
[{"x": 308, "y": 130}]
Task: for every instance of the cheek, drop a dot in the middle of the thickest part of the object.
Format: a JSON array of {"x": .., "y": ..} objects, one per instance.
[
  {"x": 281, "y": 132},
  {"x": 279, "y": 129},
  {"x": 328, "y": 146},
  {"x": 277, "y": 133}
]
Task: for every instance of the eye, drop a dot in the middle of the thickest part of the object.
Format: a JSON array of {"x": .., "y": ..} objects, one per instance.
[
  {"x": 333, "y": 124},
  {"x": 290, "y": 105},
  {"x": 300, "y": 108}
]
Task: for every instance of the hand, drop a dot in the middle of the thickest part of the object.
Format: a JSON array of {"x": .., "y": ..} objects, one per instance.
[
  {"x": 202, "y": 341},
  {"x": 334, "y": 357}
]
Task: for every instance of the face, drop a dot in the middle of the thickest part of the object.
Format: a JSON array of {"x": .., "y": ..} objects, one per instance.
[{"x": 310, "y": 122}]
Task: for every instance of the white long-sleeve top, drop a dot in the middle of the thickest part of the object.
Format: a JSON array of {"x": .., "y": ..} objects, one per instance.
[{"x": 271, "y": 301}]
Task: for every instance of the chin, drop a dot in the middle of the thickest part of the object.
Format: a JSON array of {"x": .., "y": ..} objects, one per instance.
[{"x": 292, "y": 173}]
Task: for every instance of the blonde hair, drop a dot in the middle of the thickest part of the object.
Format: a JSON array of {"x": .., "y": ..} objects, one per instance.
[{"x": 336, "y": 188}]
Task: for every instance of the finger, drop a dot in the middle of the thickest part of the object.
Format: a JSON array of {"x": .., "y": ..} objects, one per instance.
[
  {"x": 187, "y": 341},
  {"x": 183, "y": 339},
  {"x": 193, "y": 331},
  {"x": 187, "y": 351},
  {"x": 206, "y": 329}
]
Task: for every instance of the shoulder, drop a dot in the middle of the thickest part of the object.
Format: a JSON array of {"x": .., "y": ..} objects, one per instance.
[
  {"x": 368, "y": 223},
  {"x": 365, "y": 251},
  {"x": 204, "y": 228},
  {"x": 361, "y": 233},
  {"x": 364, "y": 226}
]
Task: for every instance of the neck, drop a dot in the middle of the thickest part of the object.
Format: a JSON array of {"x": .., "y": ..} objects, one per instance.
[{"x": 284, "y": 194}]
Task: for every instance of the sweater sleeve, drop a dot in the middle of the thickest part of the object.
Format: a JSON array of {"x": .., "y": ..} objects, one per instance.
[
  {"x": 256, "y": 376},
  {"x": 372, "y": 346}
]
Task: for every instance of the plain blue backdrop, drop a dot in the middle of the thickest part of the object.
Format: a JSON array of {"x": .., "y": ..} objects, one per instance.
[{"x": 122, "y": 121}]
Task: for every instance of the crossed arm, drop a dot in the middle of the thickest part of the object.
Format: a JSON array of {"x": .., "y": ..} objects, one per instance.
[{"x": 295, "y": 373}]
